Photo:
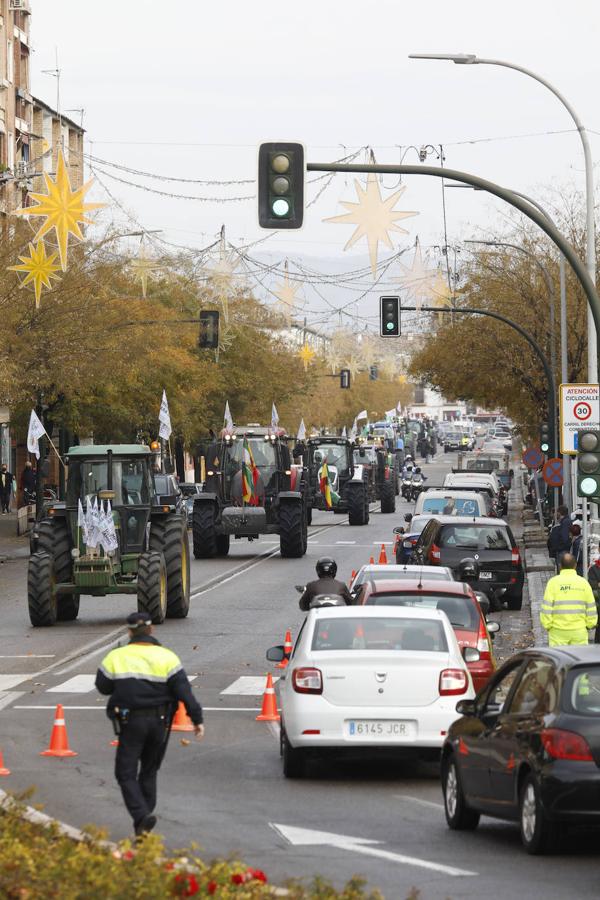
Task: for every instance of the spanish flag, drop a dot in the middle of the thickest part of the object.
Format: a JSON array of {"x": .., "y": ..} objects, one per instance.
[
  {"x": 249, "y": 476},
  {"x": 331, "y": 498}
]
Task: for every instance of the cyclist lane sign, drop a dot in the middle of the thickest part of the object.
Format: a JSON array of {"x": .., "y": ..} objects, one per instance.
[{"x": 579, "y": 408}]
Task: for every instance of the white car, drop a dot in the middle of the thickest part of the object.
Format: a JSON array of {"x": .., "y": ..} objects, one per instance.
[
  {"x": 395, "y": 571},
  {"x": 370, "y": 678}
]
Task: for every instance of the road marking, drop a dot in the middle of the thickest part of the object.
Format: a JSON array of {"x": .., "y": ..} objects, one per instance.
[
  {"x": 9, "y": 697},
  {"x": 79, "y": 684},
  {"x": 307, "y": 836},
  {"x": 9, "y": 681},
  {"x": 29, "y": 656},
  {"x": 247, "y": 686},
  {"x": 385, "y": 543},
  {"x": 275, "y": 731},
  {"x": 419, "y": 800},
  {"x": 346, "y": 542},
  {"x": 101, "y": 708}
]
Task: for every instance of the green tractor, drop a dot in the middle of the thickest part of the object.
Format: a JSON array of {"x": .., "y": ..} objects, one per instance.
[{"x": 150, "y": 555}]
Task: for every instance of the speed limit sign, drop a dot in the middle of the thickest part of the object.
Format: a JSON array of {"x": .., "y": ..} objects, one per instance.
[{"x": 579, "y": 408}]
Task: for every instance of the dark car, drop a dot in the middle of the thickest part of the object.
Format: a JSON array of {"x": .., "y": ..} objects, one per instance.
[
  {"x": 168, "y": 491},
  {"x": 406, "y": 538},
  {"x": 447, "y": 540},
  {"x": 527, "y": 748}
]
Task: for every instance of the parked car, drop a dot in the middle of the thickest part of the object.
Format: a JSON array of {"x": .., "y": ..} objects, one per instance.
[
  {"x": 448, "y": 540},
  {"x": 454, "y": 502},
  {"x": 367, "y": 678},
  {"x": 386, "y": 572},
  {"x": 482, "y": 482},
  {"x": 454, "y": 598},
  {"x": 168, "y": 491},
  {"x": 527, "y": 748}
]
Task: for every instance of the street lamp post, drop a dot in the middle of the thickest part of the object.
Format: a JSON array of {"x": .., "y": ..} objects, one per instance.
[{"x": 473, "y": 59}]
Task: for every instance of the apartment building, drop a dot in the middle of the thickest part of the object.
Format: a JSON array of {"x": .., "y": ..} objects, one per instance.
[
  {"x": 16, "y": 103},
  {"x": 50, "y": 132}
]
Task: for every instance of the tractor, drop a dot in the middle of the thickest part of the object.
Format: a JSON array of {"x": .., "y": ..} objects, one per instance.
[
  {"x": 380, "y": 466},
  {"x": 348, "y": 479},
  {"x": 151, "y": 553},
  {"x": 278, "y": 504}
]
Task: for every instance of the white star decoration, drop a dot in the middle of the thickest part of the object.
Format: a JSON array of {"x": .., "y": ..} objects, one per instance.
[
  {"x": 418, "y": 280},
  {"x": 286, "y": 295},
  {"x": 143, "y": 268},
  {"x": 373, "y": 216}
]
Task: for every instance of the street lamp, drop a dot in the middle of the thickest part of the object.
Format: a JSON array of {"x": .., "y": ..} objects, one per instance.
[{"x": 590, "y": 256}]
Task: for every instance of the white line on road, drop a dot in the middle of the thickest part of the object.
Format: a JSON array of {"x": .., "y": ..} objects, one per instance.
[
  {"x": 79, "y": 684},
  {"x": 418, "y": 800},
  {"x": 205, "y": 708},
  {"x": 9, "y": 697},
  {"x": 9, "y": 681},
  {"x": 346, "y": 542},
  {"x": 248, "y": 686},
  {"x": 29, "y": 656}
]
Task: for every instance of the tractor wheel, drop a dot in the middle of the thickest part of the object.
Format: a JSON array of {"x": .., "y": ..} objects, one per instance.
[
  {"x": 169, "y": 537},
  {"x": 223, "y": 542},
  {"x": 358, "y": 504},
  {"x": 203, "y": 530},
  {"x": 292, "y": 529},
  {"x": 67, "y": 607},
  {"x": 388, "y": 497},
  {"x": 54, "y": 538},
  {"x": 152, "y": 586},
  {"x": 40, "y": 590}
]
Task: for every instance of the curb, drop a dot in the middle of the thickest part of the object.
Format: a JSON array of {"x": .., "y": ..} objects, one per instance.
[{"x": 7, "y": 802}]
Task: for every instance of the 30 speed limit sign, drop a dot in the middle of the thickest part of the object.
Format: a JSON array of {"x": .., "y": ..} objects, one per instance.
[{"x": 579, "y": 408}]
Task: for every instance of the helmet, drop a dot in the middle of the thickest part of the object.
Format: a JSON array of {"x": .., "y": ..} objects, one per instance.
[
  {"x": 468, "y": 569},
  {"x": 407, "y": 457},
  {"x": 319, "y": 456},
  {"x": 326, "y": 600},
  {"x": 417, "y": 470},
  {"x": 326, "y": 566}
]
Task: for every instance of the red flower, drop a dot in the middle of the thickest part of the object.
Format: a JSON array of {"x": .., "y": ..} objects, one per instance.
[
  {"x": 237, "y": 878},
  {"x": 211, "y": 887},
  {"x": 257, "y": 875},
  {"x": 189, "y": 885},
  {"x": 129, "y": 854}
]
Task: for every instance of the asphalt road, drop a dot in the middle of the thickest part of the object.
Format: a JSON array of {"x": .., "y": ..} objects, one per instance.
[{"x": 384, "y": 819}]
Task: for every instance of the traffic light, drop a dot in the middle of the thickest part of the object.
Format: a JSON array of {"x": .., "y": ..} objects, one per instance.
[
  {"x": 373, "y": 373},
  {"x": 208, "y": 338},
  {"x": 544, "y": 437},
  {"x": 588, "y": 464},
  {"x": 389, "y": 316},
  {"x": 280, "y": 185},
  {"x": 345, "y": 379}
]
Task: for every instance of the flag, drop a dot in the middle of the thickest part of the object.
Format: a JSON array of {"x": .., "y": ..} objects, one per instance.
[
  {"x": 301, "y": 431},
  {"x": 353, "y": 431},
  {"x": 344, "y": 433},
  {"x": 390, "y": 413},
  {"x": 331, "y": 498},
  {"x": 36, "y": 430},
  {"x": 399, "y": 406},
  {"x": 249, "y": 476},
  {"x": 227, "y": 420},
  {"x": 114, "y": 541},
  {"x": 164, "y": 419},
  {"x": 361, "y": 415},
  {"x": 81, "y": 523},
  {"x": 274, "y": 417}
]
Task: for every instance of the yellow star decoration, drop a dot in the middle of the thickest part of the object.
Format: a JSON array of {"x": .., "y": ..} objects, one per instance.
[
  {"x": 306, "y": 354},
  {"x": 62, "y": 207},
  {"x": 419, "y": 281},
  {"x": 286, "y": 295},
  {"x": 143, "y": 268},
  {"x": 441, "y": 295},
  {"x": 373, "y": 216},
  {"x": 39, "y": 269}
]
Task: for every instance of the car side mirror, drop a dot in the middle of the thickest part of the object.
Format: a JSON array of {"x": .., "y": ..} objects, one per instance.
[
  {"x": 408, "y": 517},
  {"x": 398, "y": 530},
  {"x": 493, "y": 627},
  {"x": 465, "y": 707},
  {"x": 276, "y": 654},
  {"x": 471, "y": 654}
]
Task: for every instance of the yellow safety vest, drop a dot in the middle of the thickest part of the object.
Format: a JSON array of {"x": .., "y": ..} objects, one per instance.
[
  {"x": 568, "y": 603},
  {"x": 148, "y": 662}
]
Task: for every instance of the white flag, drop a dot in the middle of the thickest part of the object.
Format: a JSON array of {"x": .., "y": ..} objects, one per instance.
[
  {"x": 353, "y": 431},
  {"x": 164, "y": 419},
  {"x": 113, "y": 539},
  {"x": 344, "y": 432},
  {"x": 361, "y": 415},
  {"x": 81, "y": 523},
  {"x": 301, "y": 431},
  {"x": 390, "y": 413},
  {"x": 274, "y": 417},
  {"x": 36, "y": 430},
  {"x": 227, "y": 420}
]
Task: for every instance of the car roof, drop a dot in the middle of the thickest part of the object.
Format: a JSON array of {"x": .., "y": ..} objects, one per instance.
[
  {"x": 408, "y": 585},
  {"x": 570, "y": 655},
  {"x": 469, "y": 520},
  {"x": 449, "y": 492},
  {"x": 374, "y": 612},
  {"x": 399, "y": 567}
]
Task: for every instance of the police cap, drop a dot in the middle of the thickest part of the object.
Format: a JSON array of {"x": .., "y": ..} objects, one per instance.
[{"x": 138, "y": 620}]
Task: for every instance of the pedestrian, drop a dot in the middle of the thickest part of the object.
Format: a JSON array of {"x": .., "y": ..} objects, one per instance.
[
  {"x": 559, "y": 539},
  {"x": 6, "y": 485},
  {"x": 28, "y": 482},
  {"x": 577, "y": 546},
  {"x": 145, "y": 682},
  {"x": 593, "y": 577},
  {"x": 569, "y": 609}
]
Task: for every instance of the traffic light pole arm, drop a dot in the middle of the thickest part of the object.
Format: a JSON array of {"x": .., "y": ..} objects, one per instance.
[
  {"x": 535, "y": 347},
  {"x": 492, "y": 188}
]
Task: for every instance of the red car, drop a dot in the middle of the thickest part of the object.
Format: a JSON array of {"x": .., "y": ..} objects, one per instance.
[{"x": 454, "y": 598}]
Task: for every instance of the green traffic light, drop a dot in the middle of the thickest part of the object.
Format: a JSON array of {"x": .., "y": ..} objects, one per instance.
[
  {"x": 589, "y": 486},
  {"x": 545, "y": 447},
  {"x": 280, "y": 207}
]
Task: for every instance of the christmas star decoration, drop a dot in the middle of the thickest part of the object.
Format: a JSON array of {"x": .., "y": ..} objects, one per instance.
[
  {"x": 143, "y": 268},
  {"x": 306, "y": 354},
  {"x": 333, "y": 359},
  {"x": 368, "y": 352},
  {"x": 62, "y": 207},
  {"x": 286, "y": 296},
  {"x": 373, "y": 216},
  {"x": 389, "y": 368},
  {"x": 418, "y": 280},
  {"x": 39, "y": 269},
  {"x": 354, "y": 364}
]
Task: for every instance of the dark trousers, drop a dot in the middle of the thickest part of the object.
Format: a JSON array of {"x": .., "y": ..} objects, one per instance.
[
  {"x": 139, "y": 755},
  {"x": 5, "y": 500}
]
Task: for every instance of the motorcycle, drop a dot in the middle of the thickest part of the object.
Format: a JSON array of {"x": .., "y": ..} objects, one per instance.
[
  {"x": 416, "y": 487},
  {"x": 406, "y": 488}
]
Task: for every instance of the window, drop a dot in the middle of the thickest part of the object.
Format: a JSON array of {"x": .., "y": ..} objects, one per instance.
[
  {"x": 452, "y": 506},
  {"x": 333, "y": 454},
  {"x": 474, "y": 537},
  {"x": 10, "y": 62},
  {"x": 582, "y": 694},
  {"x": 460, "y": 609},
  {"x": 499, "y": 691},
  {"x": 381, "y": 633},
  {"x": 537, "y": 691}
]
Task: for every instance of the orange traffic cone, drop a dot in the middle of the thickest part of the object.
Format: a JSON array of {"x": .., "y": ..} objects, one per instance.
[
  {"x": 3, "y": 770},
  {"x": 371, "y": 561},
  {"x": 59, "y": 741},
  {"x": 181, "y": 720},
  {"x": 287, "y": 646},
  {"x": 382, "y": 556},
  {"x": 353, "y": 576},
  {"x": 268, "y": 712}
]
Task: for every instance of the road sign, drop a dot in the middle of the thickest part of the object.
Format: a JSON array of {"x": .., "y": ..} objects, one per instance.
[
  {"x": 579, "y": 408},
  {"x": 533, "y": 457},
  {"x": 552, "y": 473}
]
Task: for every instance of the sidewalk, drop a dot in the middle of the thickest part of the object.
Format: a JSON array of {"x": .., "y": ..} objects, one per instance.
[{"x": 11, "y": 546}]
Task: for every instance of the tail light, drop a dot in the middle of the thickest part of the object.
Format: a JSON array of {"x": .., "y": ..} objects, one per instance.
[
  {"x": 561, "y": 744},
  {"x": 307, "y": 681},
  {"x": 435, "y": 555},
  {"x": 453, "y": 681},
  {"x": 515, "y": 556},
  {"x": 483, "y": 641}
]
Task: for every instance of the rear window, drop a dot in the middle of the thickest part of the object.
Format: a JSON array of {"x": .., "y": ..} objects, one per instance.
[
  {"x": 433, "y": 573},
  {"x": 474, "y": 537},
  {"x": 452, "y": 506},
  {"x": 582, "y": 691},
  {"x": 461, "y": 610},
  {"x": 381, "y": 633}
]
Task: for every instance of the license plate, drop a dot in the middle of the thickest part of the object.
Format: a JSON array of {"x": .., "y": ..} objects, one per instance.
[
  {"x": 486, "y": 575},
  {"x": 386, "y": 729}
]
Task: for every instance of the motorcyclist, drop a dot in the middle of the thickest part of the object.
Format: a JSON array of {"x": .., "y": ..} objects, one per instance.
[
  {"x": 325, "y": 583},
  {"x": 407, "y": 468},
  {"x": 419, "y": 474}
]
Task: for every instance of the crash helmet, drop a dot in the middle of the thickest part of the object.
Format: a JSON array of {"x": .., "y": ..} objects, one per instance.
[
  {"x": 326, "y": 567},
  {"x": 408, "y": 457},
  {"x": 468, "y": 569},
  {"x": 417, "y": 470}
]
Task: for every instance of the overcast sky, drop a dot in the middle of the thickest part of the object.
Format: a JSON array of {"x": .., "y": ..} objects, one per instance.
[{"x": 189, "y": 89}]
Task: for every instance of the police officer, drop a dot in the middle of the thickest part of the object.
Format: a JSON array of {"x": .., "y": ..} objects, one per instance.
[
  {"x": 145, "y": 681},
  {"x": 326, "y": 583},
  {"x": 568, "y": 609}
]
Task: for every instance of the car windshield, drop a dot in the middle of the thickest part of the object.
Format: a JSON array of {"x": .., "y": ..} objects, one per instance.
[
  {"x": 584, "y": 691},
  {"x": 332, "y": 454},
  {"x": 130, "y": 481},
  {"x": 482, "y": 465},
  {"x": 367, "y": 457},
  {"x": 188, "y": 489},
  {"x": 381, "y": 633},
  {"x": 474, "y": 537},
  {"x": 263, "y": 453},
  {"x": 459, "y": 608},
  {"x": 452, "y": 506}
]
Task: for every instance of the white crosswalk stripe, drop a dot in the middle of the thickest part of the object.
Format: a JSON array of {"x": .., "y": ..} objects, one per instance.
[
  {"x": 79, "y": 684},
  {"x": 247, "y": 686}
]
